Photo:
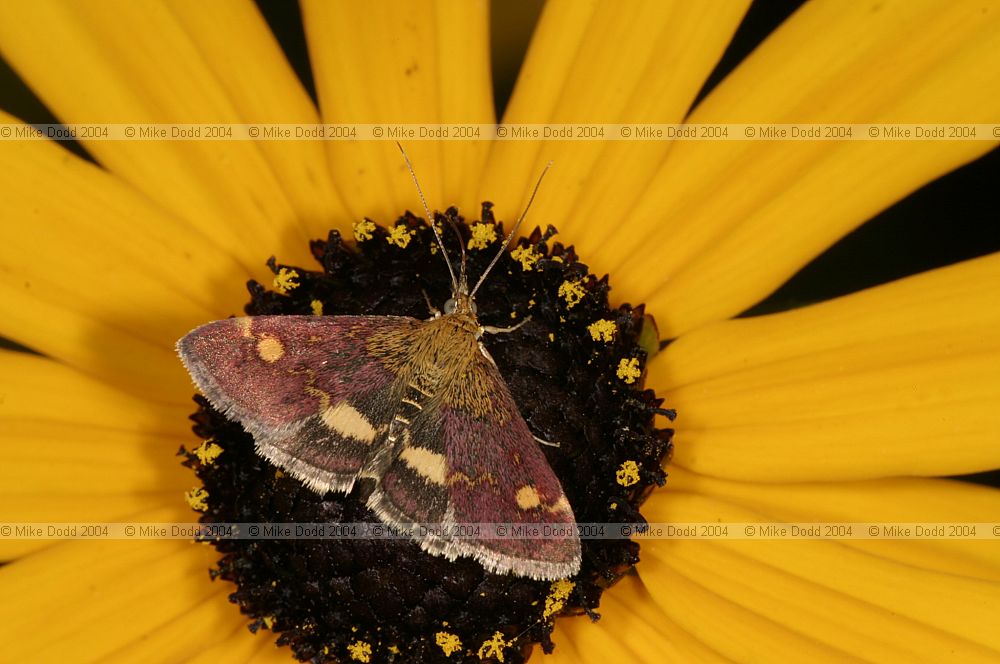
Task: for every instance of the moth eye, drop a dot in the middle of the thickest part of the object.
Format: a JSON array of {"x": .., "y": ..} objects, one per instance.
[{"x": 450, "y": 306}]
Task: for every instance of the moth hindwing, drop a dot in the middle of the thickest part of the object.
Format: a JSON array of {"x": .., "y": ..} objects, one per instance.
[{"x": 417, "y": 406}]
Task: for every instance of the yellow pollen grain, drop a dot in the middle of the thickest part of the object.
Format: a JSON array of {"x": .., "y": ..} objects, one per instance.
[
  {"x": 572, "y": 292},
  {"x": 197, "y": 498},
  {"x": 285, "y": 280},
  {"x": 360, "y": 651},
  {"x": 208, "y": 452},
  {"x": 400, "y": 236},
  {"x": 552, "y": 337},
  {"x": 278, "y": 474},
  {"x": 270, "y": 349},
  {"x": 526, "y": 256},
  {"x": 493, "y": 647},
  {"x": 363, "y": 230},
  {"x": 628, "y": 370},
  {"x": 483, "y": 235},
  {"x": 602, "y": 330},
  {"x": 449, "y": 643},
  {"x": 269, "y": 621},
  {"x": 628, "y": 473},
  {"x": 558, "y": 259},
  {"x": 556, "y": 600},
  {"x": 317, "y": 307},
  {"x": 394, "y": 650}
]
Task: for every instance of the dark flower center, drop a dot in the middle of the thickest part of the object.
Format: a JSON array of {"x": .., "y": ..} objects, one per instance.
[{"x": 575, "y": 370}]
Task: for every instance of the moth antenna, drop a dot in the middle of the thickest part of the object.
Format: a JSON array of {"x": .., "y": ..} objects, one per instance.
[
  {"x": 513, "y": 230},
  {"x": 463, "y": 282},
  {"x": 430, "y": 220}
]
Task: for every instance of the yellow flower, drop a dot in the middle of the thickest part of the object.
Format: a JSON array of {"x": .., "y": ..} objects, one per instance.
[{"x": 840, "y": 411}]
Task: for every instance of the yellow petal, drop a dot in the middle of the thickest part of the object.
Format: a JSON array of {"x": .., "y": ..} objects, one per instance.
[
  {"x": 83, "y": 600},
  {"x": 902, "y": 500},
  {"x": 97, "y": 276},
  {"x": 739, "y": 633},
  {"x": 242, "y": 647},
  {"x": 185, "y": 635},
  {"x": 402, "y": 62},
  {"x": 598, "y": 62},
  {"x": 250, "y": 65},
  {"x": 240, "y": 193},
  {"x": 819, "y": 593},
  {"x": 897, "y": 380},
  {"x": 70, "y": 507},
  {"x": 723, "y": 223},
  {"x": 631, "y": 627},
  {"x": 36, "y": 389},
  {"x": 60, "y": 458},
  {"x": 564, "y": 650}
]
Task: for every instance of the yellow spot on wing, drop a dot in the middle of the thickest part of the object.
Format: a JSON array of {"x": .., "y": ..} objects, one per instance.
[
  {"x": 427, "y": 463},
  {"x": 556, "y": 600},
  {"x": 628, "y": 370},
  {"x": 493, "y": 647},
  {"x": 483, "y": 235},
  {"x": 449, "y": 643},
  {"x": 360, "y": 651},
  {"x": 208, "y": 452},
  {"x": 572, "y": 292},
  {"x": 197, "y": 498},
  {"x": 603, "y": 330},
  {"x": 285, "y": 280},
  {"x": 528, "y": 498},
  {"x": 317, "y": 307},
  {"x": 349, "y": 422},
  {"x": 527, "y": 256},
  {"x": 628, "y": 473},
  {"x": 561, "y": 505},
  {"x": 400, "y": 236},
  {"x": 363, "y": 230},
  {"x": 270, "y": 349}
]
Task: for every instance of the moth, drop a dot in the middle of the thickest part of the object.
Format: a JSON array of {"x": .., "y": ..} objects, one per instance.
[{"x": 417, "y": 406}]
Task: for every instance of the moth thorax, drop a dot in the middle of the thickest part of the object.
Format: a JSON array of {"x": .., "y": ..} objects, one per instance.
[{"x": 464, "y": 322}]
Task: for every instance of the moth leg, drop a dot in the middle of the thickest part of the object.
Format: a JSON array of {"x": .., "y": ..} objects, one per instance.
[
  {"x": 542, "y": 441},
  {"x": 434, "y": 310},
  {"x": 489, "y": 329},
  {"x": 486, "y": 354}
]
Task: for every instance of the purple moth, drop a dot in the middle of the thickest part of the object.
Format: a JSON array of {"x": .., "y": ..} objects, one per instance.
[{"x": 417, "y": 406}]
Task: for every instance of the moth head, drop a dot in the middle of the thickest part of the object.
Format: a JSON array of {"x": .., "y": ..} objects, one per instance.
[{"x": 461, "y": 303}]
